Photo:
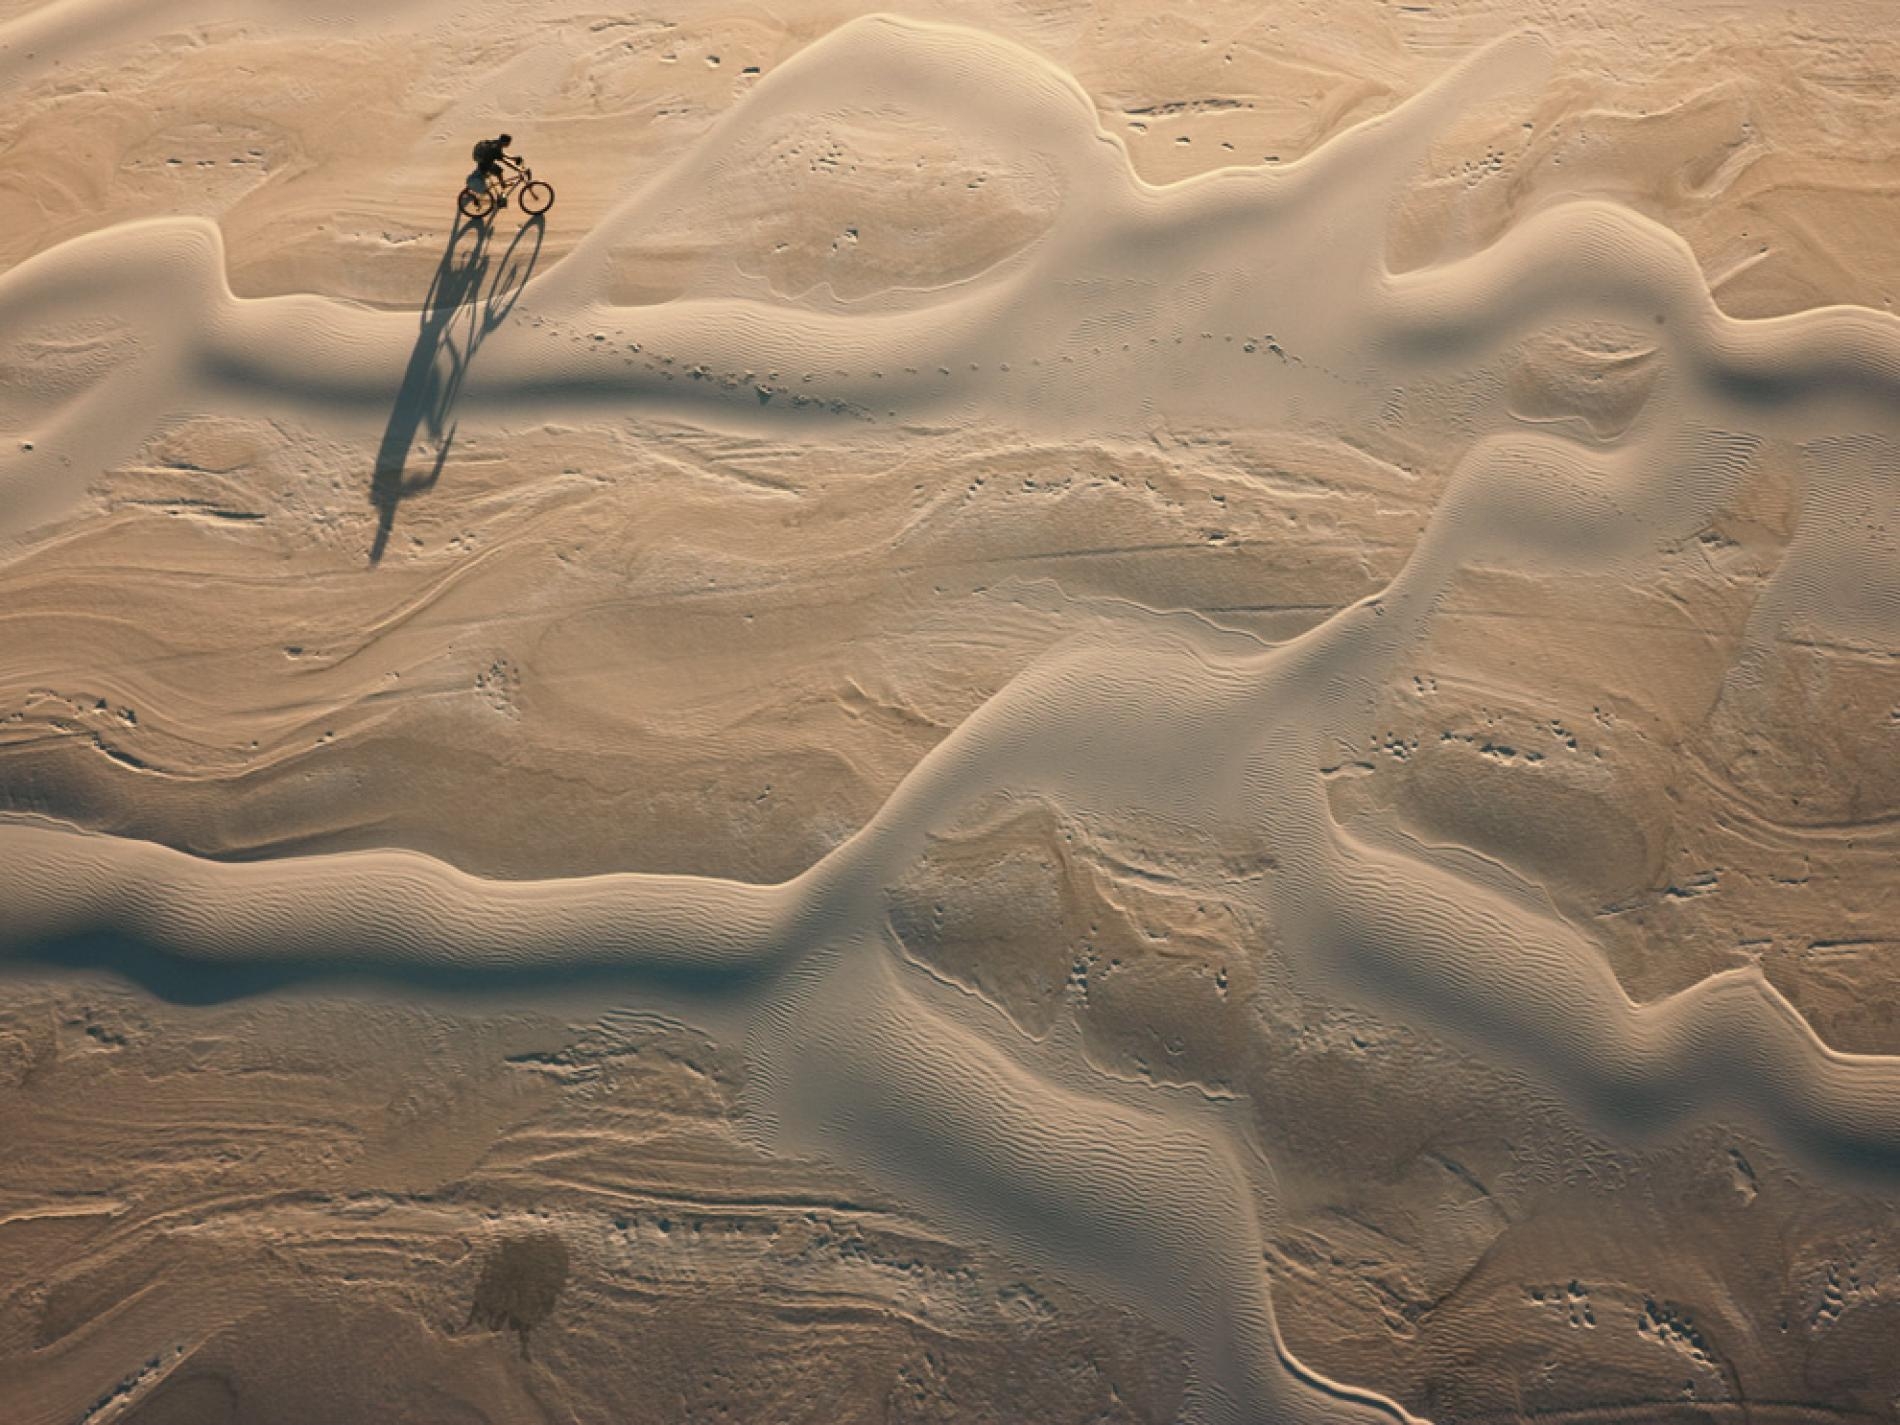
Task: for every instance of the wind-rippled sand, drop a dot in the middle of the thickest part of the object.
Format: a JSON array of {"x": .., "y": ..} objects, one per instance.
[{"x": 1043, "y": 716}]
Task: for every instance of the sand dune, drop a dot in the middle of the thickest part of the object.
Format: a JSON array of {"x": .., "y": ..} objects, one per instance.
[{"x": 1062, "y": 743}]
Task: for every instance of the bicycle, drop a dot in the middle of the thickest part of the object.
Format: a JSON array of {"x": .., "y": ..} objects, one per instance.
[{"x": 536, "y": 195}]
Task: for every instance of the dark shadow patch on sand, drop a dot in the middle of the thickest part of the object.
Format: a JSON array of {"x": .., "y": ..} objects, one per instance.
[
  {"x": 520, "y": 1283},
  {"x": 176, "y": 979}
]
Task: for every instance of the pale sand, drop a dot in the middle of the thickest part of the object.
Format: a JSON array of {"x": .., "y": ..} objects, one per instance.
[{"x": 1044, "y": 716}]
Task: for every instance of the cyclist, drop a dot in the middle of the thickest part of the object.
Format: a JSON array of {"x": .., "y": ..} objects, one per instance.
[
  {"x": 489, "y": 156},
  {"x": 498, "y": 176}
]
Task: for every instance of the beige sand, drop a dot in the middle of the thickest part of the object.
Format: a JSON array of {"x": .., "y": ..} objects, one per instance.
[{"x": 1045, "y": 715}]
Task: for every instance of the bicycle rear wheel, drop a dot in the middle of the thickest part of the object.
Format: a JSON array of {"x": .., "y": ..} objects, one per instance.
[
  {"x": 536, "y": 197},
  {"x": 475, "y": 204}
]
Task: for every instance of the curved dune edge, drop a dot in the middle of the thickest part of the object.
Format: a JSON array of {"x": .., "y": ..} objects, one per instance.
[
  {"x": 1287, "y": 264},
  {"x": 1094, "y": 728},
  {"x": 1519, "y": 986}
]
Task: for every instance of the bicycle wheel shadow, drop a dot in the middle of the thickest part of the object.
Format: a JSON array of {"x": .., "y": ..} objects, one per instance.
[{"x": 469, "y": 296}]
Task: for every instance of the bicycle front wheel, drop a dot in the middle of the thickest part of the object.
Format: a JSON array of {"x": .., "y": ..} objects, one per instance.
[
  {"x": 475, "y": 204},
  {"x": 537, "y": 197}
]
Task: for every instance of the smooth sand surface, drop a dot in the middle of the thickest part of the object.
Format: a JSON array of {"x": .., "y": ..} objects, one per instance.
[{"x": 1044, "y": 715}]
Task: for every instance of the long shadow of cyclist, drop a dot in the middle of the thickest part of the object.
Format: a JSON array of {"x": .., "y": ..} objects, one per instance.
[{"x": 464, "y": 304}]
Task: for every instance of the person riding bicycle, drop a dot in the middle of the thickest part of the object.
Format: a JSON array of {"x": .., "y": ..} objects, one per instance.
[
  {"x": 500, "y": 176},
  {"x": 490, "y": 155}
]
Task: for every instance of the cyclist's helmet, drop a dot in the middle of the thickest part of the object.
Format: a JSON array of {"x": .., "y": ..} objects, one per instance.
[{"x": 507, "y": 139}]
